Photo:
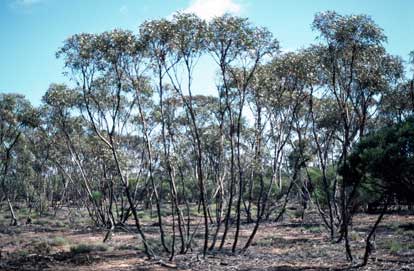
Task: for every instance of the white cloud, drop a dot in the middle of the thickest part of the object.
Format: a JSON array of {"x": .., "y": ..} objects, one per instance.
[{"x": 207, "y": 9}]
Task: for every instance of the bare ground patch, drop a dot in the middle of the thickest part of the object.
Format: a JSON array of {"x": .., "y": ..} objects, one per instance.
[{"x": 290, "y": 245}]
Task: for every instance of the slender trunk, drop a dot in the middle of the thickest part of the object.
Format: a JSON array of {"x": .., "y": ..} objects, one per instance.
[
  {"x": 8, "y": 158},
  {"x": 173, "y": 209},
  {"x": 241, "y": 185},
  {"x": 130, "y": 201},
  {"x": 13, "y": 218},
  {"x": 257, "y": 169},
  {"x": 151, "y": 177},
  {"x": 368, "y": 246},
  {"x": 322, "y": 160},
  {"x": 221, "y": 177},
  {"x": 344, "y": 207},
  {"x": 232, "y": 183}
]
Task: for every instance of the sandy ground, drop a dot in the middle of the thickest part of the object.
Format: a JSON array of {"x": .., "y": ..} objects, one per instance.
[{"x": 288, "y": 245}]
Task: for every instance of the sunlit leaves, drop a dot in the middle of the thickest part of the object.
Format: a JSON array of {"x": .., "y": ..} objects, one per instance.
[
  {"x": 16, "y": 112},
  {"x": 189, "y": 36},
  {"x": 230, "y": 37},
  {"x": 60, "y": 96},
  {"x": 347, "y": 31}
]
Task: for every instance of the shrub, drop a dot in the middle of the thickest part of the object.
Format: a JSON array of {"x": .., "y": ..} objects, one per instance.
[
  {"x": 395, "y": 247},
  {"x": 314, "y": 229},
  {"x": 87, "y": 248},
  {"x": 128, "y": 247},
  {"x": 40, "y": 246},
  {"x": 58, "y": 241}
]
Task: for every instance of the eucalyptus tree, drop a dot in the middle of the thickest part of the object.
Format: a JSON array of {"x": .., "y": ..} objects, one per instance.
[
  {"x": 257, "y": 45},
  {"x": 137, "y": 75},
  {"x": 72, "y": 144},
  {"x": 97, "y": 63},
  {"x": 278, "y": 96},
  {"x": 325, "y": 124},
  {"x": 256, "y": 98},
  {"x": 397, "y": 104},
  {"x": 42, "y": 189},
  {"x": 238, "y": 48},
  {"x": 16, "y": 115},
  {"x": 324, "y": 118},
  {"x": 355, "y": 71},
  {"x": 59, "y": 126},
  {"x": 158, "y": 35},
  {"x": 22, "y": 180},
  {"x": 176, "y": 47},
  {"x": 188, "y": 44},
  {"x": 50, "y": 145},
  {"x": 224, "y": 43}
]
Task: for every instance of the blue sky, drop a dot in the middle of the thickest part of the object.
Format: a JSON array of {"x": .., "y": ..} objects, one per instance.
[{"x": 33, "y": 30}]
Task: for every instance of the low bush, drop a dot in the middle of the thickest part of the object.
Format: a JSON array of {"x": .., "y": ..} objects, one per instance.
[{"x": 87, "y": 248}]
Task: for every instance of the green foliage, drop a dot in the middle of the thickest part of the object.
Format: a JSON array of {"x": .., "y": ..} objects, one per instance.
[
  {"x": 354, "y": 236},
  {"x": 314, "y": 229},
  {"x": 97, "y": 195},
  {"x": 316, "y": 176},
  {"x": 144, "y": 215},
  {"x": 60, "y": 97},
  {"x": 383, "y": 162},
  {"x": 41, "y": 222},
  {"x": 58, "y": 241},
  {"x": 395, "y": 246},
  {"x": 16, "y": 112},
  {"x": 348, "y": 30}
]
